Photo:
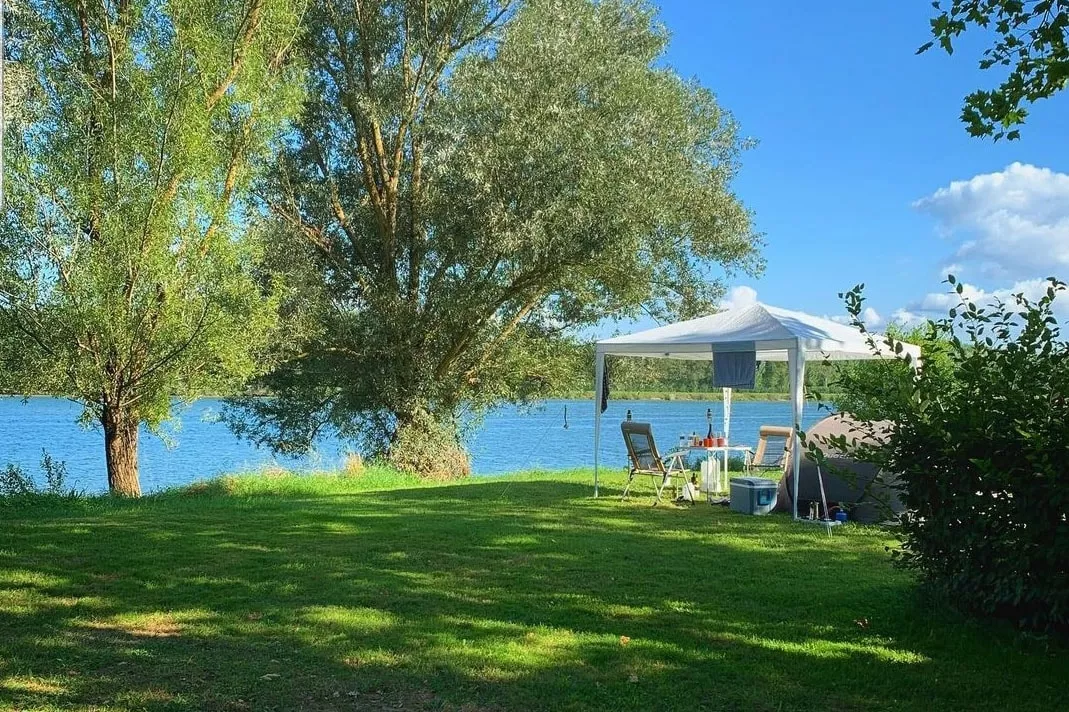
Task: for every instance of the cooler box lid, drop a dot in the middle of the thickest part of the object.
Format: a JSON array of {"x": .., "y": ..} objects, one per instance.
[{"x": 753, "y": 482}]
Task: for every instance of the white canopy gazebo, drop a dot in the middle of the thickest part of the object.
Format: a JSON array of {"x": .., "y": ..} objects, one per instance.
[{"x": 773, "y": 334}]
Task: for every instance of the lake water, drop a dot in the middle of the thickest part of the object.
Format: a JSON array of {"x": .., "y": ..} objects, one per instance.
[{"x": 509, "y": 439}]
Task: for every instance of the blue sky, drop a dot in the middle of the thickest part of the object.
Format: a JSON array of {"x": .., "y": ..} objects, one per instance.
[{"x": 857, "y": 137}]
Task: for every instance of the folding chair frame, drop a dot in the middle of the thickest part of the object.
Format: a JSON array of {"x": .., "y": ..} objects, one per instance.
[
  {"x": 675, "y": 464},
  {"x": 675, "y": 467},
  {"x": 758, "y": 459}
]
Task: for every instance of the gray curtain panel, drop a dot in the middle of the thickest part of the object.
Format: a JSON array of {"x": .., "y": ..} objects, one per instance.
[{"x": 734, "y": 369}]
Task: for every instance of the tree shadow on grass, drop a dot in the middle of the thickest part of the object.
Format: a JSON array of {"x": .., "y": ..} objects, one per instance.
[{"x": 499, "y": 595}]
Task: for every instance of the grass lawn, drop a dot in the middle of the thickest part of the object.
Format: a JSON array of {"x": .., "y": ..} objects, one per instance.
[{"x": 329, "y": 593}]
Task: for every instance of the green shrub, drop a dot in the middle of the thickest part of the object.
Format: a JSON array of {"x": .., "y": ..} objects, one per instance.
[
  {"x": 429, "y": 449},
  {"x": 981, "y": 444},
  {"x": 16, "y": 484}
]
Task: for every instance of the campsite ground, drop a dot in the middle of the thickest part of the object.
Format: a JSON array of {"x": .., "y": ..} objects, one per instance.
[{"x": 332, "y": 593}]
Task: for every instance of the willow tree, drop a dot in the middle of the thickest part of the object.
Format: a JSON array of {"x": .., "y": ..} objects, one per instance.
[
  {"x": 471, "y": 182},
  {"x": 125, "y": 279}
]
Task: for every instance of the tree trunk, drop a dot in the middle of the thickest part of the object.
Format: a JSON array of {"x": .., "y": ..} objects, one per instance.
[{"x": 120, "y": 449}]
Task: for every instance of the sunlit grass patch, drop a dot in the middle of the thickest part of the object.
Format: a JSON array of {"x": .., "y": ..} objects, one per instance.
[{"x": 339, "y": 593}]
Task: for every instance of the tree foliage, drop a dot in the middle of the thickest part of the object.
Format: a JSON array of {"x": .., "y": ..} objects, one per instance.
[
  {"x": 982, "y": 450},
  {"x": 470, "y": 181},
  {"x": 1031, "y": 40},
  {"x": 125, "y": 278},
  {"x": 863, "y": 388}
]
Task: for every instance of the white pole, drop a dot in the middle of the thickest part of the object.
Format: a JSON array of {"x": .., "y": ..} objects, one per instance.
[
  {"x": 796, "y": 362},
  {"x": 727, "y": 415},
  {"x": 599, "y": 380}
]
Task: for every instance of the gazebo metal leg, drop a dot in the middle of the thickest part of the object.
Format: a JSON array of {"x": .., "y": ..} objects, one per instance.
[{"x": 630, "y": 480}]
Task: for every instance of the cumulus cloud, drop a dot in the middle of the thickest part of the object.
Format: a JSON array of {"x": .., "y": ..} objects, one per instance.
[
  {"x": 939, "y": 303},
  {"x": 907, "y": 318},
  {"x": 738, "y": 297},
  {"x": 1013, "y": 224},
  {"x": 870, "y": 316}
]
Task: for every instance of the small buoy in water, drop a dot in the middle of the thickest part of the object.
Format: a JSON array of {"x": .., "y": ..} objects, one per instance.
[{"x": 565, "y": 417}]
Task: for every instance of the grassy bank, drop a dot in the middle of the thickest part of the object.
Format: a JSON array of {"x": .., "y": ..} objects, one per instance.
[{"x": 377, "y": 592}]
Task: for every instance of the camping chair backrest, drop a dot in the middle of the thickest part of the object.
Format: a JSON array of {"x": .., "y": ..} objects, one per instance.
[
  {"x": 773, "y": 446},
  {"x": 641, "y": 449}
]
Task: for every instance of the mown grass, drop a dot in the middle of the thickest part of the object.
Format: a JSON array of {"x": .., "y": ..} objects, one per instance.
[{"x": 373, "y": 592}]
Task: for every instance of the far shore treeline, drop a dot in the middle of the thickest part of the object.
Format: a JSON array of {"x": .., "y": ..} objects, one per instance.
[
  {"x": 667, "y": 378},
  {"x": 638, "y": 379}
]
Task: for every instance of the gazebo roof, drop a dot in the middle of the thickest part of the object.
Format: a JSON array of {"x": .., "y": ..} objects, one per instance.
[{"x": 770, "y": 331}]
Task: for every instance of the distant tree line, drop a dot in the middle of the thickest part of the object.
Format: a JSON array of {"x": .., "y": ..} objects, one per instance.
[{"x": 665, "y": 375}]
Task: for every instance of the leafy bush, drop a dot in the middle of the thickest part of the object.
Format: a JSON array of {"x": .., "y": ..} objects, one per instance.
[
  {"x": 428, "y": 448},
  {"x": 981, "y": 444},
  {"x": 863, "y": 388},
  {"x": 15, "y": 483}
]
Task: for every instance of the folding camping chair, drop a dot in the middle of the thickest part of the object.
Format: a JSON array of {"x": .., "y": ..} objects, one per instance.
[
  {"x": 773, "y": 449},
  {"x": 645, "y": 460}
]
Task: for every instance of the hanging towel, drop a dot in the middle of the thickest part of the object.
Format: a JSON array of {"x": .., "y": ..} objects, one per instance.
[
  {"x": 605, "y": 387},
  {"x": 734, "y": 369}
]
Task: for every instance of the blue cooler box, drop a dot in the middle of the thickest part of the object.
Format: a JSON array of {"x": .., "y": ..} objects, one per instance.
[{"x": 753, "y": 495}]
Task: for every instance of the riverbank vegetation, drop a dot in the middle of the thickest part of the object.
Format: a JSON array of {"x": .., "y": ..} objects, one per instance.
[{"x": 382, "y": 592}]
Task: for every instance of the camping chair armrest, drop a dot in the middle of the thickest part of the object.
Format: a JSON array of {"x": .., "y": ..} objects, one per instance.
[{"x": 674, "y": 461}]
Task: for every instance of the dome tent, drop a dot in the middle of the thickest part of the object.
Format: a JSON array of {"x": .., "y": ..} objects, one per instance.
[{"x": 869, "y": 494}]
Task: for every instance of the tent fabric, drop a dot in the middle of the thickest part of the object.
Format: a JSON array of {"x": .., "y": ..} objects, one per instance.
[
  {"x": 769, "y": 330},
  {"x": 873, "y": 494},
  {"x": 735, "y": 369}
]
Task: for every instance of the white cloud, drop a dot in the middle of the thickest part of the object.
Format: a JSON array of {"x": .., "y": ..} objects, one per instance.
[
  {"x": 870, "y": 316},
  {"x": 1013, "y": 224},
  {"x": 939, "y": 303},
  {"x": 906, "y": 318},
  {"x": 738, "y": 297}
]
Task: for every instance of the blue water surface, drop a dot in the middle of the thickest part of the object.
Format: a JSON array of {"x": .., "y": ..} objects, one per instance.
[{"x": 197, "y": 446}]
